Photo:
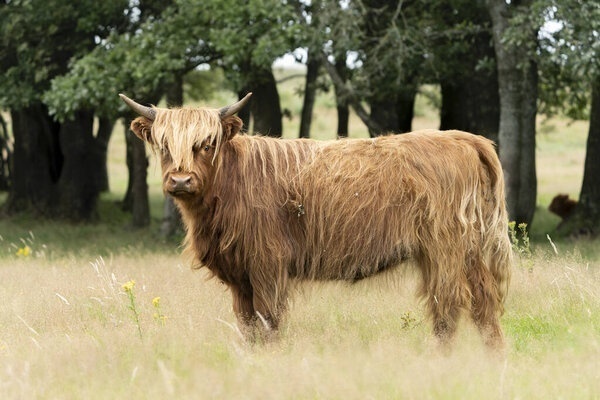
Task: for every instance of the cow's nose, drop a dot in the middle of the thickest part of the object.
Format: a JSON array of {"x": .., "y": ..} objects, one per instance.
[{"x": 181, "y": 182}]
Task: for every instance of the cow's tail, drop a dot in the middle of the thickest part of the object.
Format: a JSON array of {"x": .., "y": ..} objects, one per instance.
[{"x": 497, "y": 249}]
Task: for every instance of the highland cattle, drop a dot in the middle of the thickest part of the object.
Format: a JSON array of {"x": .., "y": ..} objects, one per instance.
[{"x": 263, "y": 212}]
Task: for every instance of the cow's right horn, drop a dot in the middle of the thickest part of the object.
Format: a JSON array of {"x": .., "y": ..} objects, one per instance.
[
  {"x": 144, "y": 111},
  {"x": 235, "y": 107}
]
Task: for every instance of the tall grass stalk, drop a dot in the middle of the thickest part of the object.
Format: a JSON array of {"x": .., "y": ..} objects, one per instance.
[{"x": 128, "y": 287}]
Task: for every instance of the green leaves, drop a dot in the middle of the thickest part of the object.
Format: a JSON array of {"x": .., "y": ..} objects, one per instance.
[
  {"x": 181, "y": 36},
  {"x": 79, "y": 55},
  {"x": 569, "y": 56},
  {"x": 39, "y": 38}
]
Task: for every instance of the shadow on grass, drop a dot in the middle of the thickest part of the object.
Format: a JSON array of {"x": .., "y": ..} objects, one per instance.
[
  {"x": 545, "y": 225},
  {"x": 110, "y": 234}
]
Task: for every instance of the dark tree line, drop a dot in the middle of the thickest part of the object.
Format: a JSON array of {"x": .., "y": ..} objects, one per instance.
[{"x": 496, "y": 71}]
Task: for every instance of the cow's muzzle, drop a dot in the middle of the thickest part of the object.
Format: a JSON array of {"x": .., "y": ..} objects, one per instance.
[{"x": 178, "y": 185}]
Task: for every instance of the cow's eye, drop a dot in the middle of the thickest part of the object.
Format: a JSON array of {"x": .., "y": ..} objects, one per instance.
[{"x": 206, "y": 147}]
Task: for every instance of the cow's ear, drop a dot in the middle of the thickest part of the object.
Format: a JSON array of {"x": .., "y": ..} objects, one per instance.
[
  {"x": 142, "y": 127},
  {"x": 231, "y": 126}
]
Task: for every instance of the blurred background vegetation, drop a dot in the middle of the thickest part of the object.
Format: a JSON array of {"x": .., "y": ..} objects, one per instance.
[{"x": 525, "y": 74}]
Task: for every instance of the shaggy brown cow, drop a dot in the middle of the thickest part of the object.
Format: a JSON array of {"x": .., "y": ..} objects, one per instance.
[{"x": 261, "y": 212}]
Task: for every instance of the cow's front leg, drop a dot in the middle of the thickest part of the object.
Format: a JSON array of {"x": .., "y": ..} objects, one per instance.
[
  {"x": 244, "y": 309},
  {"x": 267, "y": 312},
  {"x": 269, "y": 300}
]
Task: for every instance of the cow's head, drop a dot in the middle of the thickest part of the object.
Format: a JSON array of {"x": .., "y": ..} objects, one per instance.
[{"x": 188, "y": 141}]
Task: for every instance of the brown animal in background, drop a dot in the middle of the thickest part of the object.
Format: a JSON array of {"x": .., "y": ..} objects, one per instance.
[
  {"x": 261, "y": 212},
  {"x": 562, "y": 205}
]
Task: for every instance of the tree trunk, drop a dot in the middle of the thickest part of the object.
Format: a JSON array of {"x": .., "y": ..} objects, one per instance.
[
  {"x": 174, "y": 92},
  {"x": 5, "y": 156},
  {"x": 405, "y": 109},
  {"x": 244, "y": 113},
  {"x": 470, "y": 99},
  {"x": 471, "y": 105},
  {"x": 103, "y": 134},
  {"x": 264, "y": 105},
  {"x": 313, "y": 65},
  {"x": 586, "y": 219},
  {"x": 37, "y": 161},
  {"x": 140, "y": 205},
  {"x": 55, "y": 166},
  {"x": 171, "y": 221},
  {"x": 127, "y": 203},
  {"x": 77, "y": 185},
  {"x": 383, "y": 111},
  {"x": 343, "y": 111},
  {"x": 344, "y": 90},
  {"x": 517, "y": 83},
  {"x": 394, "y": 112},
  {"x": 136, "y": 198}
]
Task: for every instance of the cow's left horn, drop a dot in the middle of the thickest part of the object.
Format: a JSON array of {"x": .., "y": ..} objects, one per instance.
[
  {"x": 144, "y": 111},
  {"x": 235, "y": 107}
]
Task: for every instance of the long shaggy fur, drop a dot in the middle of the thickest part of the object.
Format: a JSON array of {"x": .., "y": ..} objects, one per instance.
[{"x": 273, "y": 210}]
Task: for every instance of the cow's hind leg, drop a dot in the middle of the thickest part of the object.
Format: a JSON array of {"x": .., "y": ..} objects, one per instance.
[
  {"x": 485, "y": 306},
  {"x": 445, "y": 313},
  {"x": 446, "y": 293}
]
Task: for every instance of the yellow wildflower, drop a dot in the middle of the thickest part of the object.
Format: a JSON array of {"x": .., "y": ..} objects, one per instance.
[
  {"x": 24, "y": 251},
  {"x": 128, "y": 286},
  {"x": 158, "y": 315}
]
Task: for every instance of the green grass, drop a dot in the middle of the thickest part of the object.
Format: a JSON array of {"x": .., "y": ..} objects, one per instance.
[
  {"x": 111, "y": 234},
  {"x": 66, "y": 326}
]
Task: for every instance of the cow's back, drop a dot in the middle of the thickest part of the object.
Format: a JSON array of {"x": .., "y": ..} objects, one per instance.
[{"x": 368, "y": 204}]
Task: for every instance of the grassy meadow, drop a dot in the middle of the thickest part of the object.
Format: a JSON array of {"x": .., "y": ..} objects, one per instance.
[{"x": 101, "y": 311}]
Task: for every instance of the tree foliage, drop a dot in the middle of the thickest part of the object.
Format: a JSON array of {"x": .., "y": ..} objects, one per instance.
[
  {"x": 144, "y": 59},
  {"x": 38, "y": 38},
  {"x": 569, "y": 56},
  {"x": 140, "y": 61}
]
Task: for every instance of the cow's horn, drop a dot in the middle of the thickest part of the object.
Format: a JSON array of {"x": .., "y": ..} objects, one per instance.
[
  {"x": 235, "y": 107},
  {"x": 144, "y": 111}
]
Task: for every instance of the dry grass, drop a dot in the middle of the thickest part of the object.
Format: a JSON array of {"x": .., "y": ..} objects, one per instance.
[{"x": 68, "y": 333}]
